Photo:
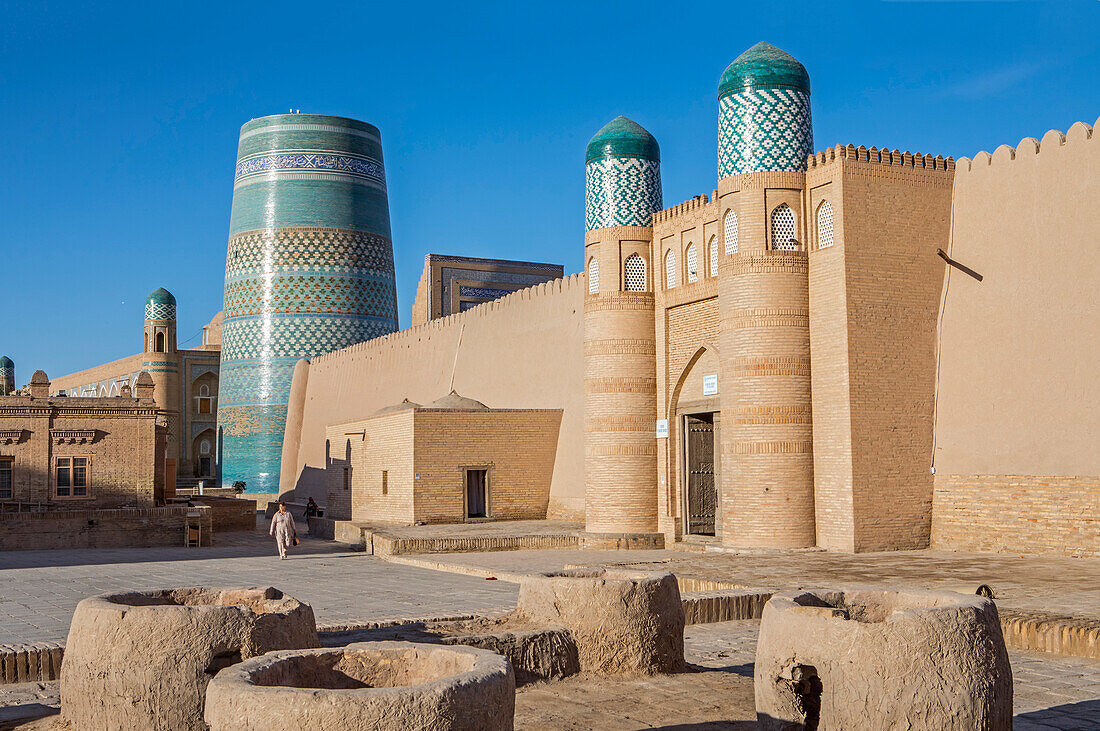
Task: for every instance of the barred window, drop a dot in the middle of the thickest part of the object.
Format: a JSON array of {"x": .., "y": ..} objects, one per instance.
[
  {"x": 634, "y": 273},
  {"x": 713, "y": 247},
  {"x": 593, "y": 276},
  {"x": 6, "y": 469},
  {"x": 824, "y": 225},
  {"x": 729, "y": 232},
  {"x": 692, "y": 264},
  {"x": 670, "y": 269},
  {"x": 783, "y": 229}
]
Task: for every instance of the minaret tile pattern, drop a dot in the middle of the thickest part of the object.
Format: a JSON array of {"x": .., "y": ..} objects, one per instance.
[
  {"x": 622, "y": 176},
  {"x": 7, "y": 376},
  {"x": 764, "y": 120},
  {"x": 309, "y": 270}
]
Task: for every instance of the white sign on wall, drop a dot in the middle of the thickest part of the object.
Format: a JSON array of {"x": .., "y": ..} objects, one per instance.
[
  {"x": 710, "y": 385},
  {"x": 662, "y": 428}
]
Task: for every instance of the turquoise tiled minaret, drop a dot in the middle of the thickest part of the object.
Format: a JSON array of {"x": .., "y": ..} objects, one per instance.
[
  {"x": 160, "y": 305},
  {"x": 309, "y": 270},
  {"x": 622, "y": 176},
  {"x": 764, "y": 113},
  {"x": 7, "y": 375}
]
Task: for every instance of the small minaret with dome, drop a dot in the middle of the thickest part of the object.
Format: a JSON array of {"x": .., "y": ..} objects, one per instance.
[
  {"x": 7, "y": 376},
  {"x": 764, "y": 113},
  {"x": 622, "y": 192},
  {"x": 160, "y": 322}
]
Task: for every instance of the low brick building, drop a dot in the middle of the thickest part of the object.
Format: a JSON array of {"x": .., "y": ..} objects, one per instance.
[
  {"x": 452, "y": 460},
  {"x": 82, "y": 453}
]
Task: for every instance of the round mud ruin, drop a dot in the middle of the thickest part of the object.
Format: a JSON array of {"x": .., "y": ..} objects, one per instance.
[
  {"x": 142, "y": 660},
  {"x": 862, "y": 658},
  {"x": 375, "y": 685},
  {"x": 624, "y": 622}
]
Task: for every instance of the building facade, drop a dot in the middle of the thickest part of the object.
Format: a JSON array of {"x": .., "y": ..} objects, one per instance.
[
  {"x": 309, "y": 269},
  {"x": 452, "y": 284},
  {"x": 82, "y": 452},
  {"x": 185, "y": 387},
  {"x": 794, "y": 358}
]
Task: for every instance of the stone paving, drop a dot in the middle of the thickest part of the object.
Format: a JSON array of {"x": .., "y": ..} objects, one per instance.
[
  {"x": 1049, "y": 584},
  {"x": 39, "y": 589}
]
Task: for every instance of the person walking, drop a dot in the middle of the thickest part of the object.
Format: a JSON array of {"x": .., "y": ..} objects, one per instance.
[{"x": 282, "y": 527}]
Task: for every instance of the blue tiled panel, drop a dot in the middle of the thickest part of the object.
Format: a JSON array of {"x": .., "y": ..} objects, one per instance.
[
  {"x": 764, "y": 130},
  {"x": 621, "y": 191},
  {"x": 309, "y": 270}
]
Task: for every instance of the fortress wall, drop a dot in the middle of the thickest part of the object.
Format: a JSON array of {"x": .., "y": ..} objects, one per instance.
[
  {"x": 1016, "y": 419},
  {"x": 522, "y": 351},
  {"x": 896, "y": 211}
]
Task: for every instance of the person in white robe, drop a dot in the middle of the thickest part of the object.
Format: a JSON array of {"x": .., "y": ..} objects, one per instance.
[{"x": 282, "y": 527}]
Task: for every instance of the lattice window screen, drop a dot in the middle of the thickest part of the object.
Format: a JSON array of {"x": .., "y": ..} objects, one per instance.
[
  {"x": 713, "y": 246},
  {"x": 670, "y": 270},
  {"x": 634, "y": 270},
  {"x": 824, "y": 225},
  {"x": 783, "y": 229},
  {"x": 593, "y": 276},
  {"x": 693, "y": 264},
  {"x": 729, "y": 229}
]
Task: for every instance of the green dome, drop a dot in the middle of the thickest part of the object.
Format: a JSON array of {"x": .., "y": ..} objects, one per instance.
[
  {"x": 160, "y": 296},
  {"x": 622, "y": 137},
  {"x": 763, "y": 65},
  {"x": 6, "y": 362}
]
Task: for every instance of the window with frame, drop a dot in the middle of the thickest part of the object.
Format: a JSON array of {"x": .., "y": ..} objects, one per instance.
[
  {"x": 692, "y": 264},
  {"x": 593, "y": 275},
  {"x": 783, "y": 229},
  {"x": 7, "y": 466},
  {"x": 205, "y": 400},
  {"x": 670, "y": 269},
  {"x": 824, "y": 225},
  {"x": 729, "y": 232},
  {"x": 71, "y": 476},
  {"x": 634, "y": 273}
]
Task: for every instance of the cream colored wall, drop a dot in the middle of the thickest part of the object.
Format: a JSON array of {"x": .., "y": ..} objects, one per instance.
[
  {"x": 522, "y": 351},
  {"x": 1019, "y": 351}
]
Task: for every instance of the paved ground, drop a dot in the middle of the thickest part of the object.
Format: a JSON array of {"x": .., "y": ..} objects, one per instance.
[
  {"x": 1050, "y": 584},
  {"x": 39, "y": 589},
  {"x": 1050, "y": 692}
]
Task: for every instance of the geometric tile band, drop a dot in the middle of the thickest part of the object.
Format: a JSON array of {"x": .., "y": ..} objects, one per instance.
[
  {"x": 355, "y": 167},
  {"x": 296, "y": 336},
  {"x": 302, "y": 249},
  {"x": 621, "y": 191},
  {"x": 764, "y": 130},
  {"x": 312, "y": 293},
  {"x": 160, "y": 311}
]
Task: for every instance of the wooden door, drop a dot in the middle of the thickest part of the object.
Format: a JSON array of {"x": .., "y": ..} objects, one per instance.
[{"x": 702, "y": 492}]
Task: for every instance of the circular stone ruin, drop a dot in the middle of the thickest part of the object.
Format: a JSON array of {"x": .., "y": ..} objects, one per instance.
[
  {"x": 624, "y": 622},
  {"x": 143, "y": 659},
  {"x": 375, "y": 685},
  {"x": 859, "y": 658}
]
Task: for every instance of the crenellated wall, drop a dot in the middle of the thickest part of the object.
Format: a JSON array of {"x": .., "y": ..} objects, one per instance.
[
  {"x": 522, "y": 351},
  {"x": 1016, "y": 429}
]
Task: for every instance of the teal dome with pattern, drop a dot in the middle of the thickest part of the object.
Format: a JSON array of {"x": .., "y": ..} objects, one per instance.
[
  {"x": 6, "y": 362},
  {"x": 160, "y": 305},
  {"x": 622, "y": 176},
  {"x": 623, "y": 137},
  {"x": 764, "y": 120},
  {"x": 763, "y": 65},
  {"x": 7, "y": 376}
]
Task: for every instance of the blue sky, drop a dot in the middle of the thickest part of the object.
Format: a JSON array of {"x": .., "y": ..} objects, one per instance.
[{"x": 120, "y": 123}]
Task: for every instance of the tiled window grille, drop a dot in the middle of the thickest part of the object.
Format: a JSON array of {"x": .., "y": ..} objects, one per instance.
[
  {"x": 692, "y": 264},
  {"x": 824, "y": 225},
  {"x": 713, "y": 246},
  {"x": 729, "y": 232},
  {"x": 670, "y": 269},
  {"x": 634, "y": 273},
  {"x": 593, "y": 276},
  {"x": 783, "y": 229}
]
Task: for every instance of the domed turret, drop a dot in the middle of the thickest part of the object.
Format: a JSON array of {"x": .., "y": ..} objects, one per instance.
[
  {"x": 622, "y": 176},
  {"x": 7, "y": 376},
  {"x": 764, "y": 113},
  {"x": 160, "y": 305}
]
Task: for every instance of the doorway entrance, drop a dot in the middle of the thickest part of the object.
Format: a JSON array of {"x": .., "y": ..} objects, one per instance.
[
  {"x": 702, "y": 490},
  {"x": 477, "y": 493}
]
